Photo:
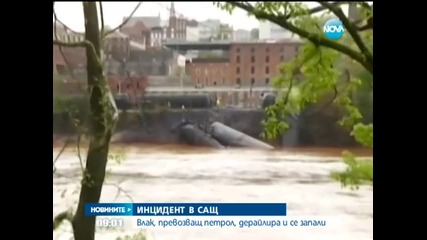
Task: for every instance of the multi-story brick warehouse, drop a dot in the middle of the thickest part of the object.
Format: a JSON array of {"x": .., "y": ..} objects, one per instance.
[{"x": 248, "y": 64}]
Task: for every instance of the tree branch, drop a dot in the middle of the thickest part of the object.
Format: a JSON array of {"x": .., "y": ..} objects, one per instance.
[
  {"x": 316, "y": 10},
  {"x": 124, "y": 22},
  {"x": 315, "y": 38},
  {"x": 84, "y": 43},
  {"x": 120, "y": 190},
  {"x": 352, "y": 30},
  {"x": 74, "y": 44},
  {"x": 66, "y": 215},
  {"x": 101, "y": 13},
  {"x": 60, "y": 153},
  {"x": 61, "y": 51},
  {"x": 324, "y": 106},
  {"x": 79, "y": 138},
  {"x": 62, "y": 23}
]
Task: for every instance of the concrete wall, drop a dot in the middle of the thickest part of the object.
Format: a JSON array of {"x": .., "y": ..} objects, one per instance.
[{"x": 155, "y": 126}]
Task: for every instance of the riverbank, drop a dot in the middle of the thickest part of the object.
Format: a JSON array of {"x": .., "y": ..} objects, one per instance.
[{"x": 155, "y": 126}]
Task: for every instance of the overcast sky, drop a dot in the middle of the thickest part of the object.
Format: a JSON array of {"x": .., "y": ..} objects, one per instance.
[{"x": 71, "y": 13}]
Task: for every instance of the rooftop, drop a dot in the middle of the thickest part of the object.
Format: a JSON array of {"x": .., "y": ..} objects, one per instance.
[
  {"x": 228, "y": 42},
  {"x": 149, "y": 22}
]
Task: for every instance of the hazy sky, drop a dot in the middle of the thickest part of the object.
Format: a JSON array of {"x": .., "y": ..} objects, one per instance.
[{"x": 71, "y": 13}]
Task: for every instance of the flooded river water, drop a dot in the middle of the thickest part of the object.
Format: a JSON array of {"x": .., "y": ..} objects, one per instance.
[{"x": 299, "y": 177}]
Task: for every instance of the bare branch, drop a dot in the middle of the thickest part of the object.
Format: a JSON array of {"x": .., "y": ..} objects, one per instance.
[
  {"x": 124, "y": 22},
  {"x": 74, "y": 44},
  {"x": 62, "y": 23},
  {"x": 79, "y": 138},
  {"x": 84, "y": 43},
  {"x": 60, "y": 153},
  {"x": 120, "y": 190},
  {"x": 66, "y": 215},
  {"x": 315, "y": 38},
  {"x": 352, "y": 30},
  {"x": 101, "y": 12},
  {"x": 61, "y": 51}
]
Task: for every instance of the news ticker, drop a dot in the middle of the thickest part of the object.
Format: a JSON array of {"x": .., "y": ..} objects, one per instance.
[
  {"x": 186, "y": 209},
  {"x": 239, "y": 222}
]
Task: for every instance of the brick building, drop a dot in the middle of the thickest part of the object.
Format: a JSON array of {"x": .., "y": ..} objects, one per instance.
[
  {"x": 248, "y": 64},
  {"x": 209, "y": 71},
  {"x": 257, "y": 63}
]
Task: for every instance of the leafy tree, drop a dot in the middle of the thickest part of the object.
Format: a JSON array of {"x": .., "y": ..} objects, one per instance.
[
  {"x": 320, "y": 62},
  {"x": 101, "y": 119}
]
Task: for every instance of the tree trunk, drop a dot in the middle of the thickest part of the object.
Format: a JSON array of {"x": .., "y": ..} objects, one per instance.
[{"x": 102, "y": 119}]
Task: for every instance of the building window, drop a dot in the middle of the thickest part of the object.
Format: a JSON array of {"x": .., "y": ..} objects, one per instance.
[
  {"x": 238, "y": 50},
  {"x": 137, "y": 85},
  {"x": 252, "y": 59},
  {"x": 267, "y": 59},
  {"x": 282, "y": 58},
  {"x": 267, "y": 49},
  {"x": 252, "y": 81},
  {"x": 238, "y": 59},
  {"x": 252, "y": 70},
  {"x": 267, "y": 81},
  {"x": 238, "y": 70},
  {"x": 252, "y": 50},
  {"x": 267, "y": 70},
  {"x": 238, "y": 81}
]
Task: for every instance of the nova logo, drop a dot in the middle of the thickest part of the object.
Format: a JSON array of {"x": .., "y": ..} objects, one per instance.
[{"x": 333, "y": 29}]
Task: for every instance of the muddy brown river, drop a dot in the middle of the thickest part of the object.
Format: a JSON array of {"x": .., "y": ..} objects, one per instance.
[{"x": 299, "y": 177}]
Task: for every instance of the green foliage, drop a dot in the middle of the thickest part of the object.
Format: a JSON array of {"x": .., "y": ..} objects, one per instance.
[
  {"x": 320, "y": 81},
  {"x": 318, "y": 72},
  {"x": 364, "y": 134},
  {"x": 356, "y": 173}
]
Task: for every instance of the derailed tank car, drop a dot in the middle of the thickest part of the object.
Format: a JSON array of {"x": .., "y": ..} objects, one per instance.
[{"x": 188, "y": 101}]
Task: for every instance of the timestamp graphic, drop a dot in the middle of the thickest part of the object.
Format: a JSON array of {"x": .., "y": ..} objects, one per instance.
[{"x": 109, "y": 222}]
